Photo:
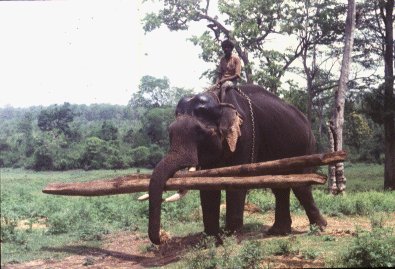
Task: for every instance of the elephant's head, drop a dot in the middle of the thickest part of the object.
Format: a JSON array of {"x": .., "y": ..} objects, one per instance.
[{"x": 204, "y": 130}]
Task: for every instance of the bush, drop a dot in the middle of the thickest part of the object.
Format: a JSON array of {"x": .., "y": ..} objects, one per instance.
[
  {"x": 284, "y": 247},
  {"x": 371, "y": 249},
  {"x": 226, "y": 256},
  {"x": 58, "y": 223},
  {"x": 42, "y": 159},
  {"x": 251, "y": 255},
  {"x": 9, "y": 233},
  {"x": 139, "y": 156}
]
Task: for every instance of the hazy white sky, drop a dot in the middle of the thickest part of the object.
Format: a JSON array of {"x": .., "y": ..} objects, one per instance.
[{"x": 83, "y": 52}]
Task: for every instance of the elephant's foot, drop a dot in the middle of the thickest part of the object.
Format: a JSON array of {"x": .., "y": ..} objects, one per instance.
[
  {"x": 320, "y": 222},
  {"x": 217, "y": 238},
  {"x": 278, "y": 229}
]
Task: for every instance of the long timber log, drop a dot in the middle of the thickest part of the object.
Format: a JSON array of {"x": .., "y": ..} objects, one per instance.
[
  {"x": 275, "y": 167},
  {"x": 269, "y": 174},
  {"x": 123, "y": 185}
]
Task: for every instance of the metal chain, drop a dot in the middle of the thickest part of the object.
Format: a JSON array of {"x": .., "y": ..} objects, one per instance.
[{"x": 252, "y": 123}]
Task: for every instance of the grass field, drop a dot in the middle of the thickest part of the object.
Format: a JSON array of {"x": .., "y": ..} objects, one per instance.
[{"x": 34, "y": 225}]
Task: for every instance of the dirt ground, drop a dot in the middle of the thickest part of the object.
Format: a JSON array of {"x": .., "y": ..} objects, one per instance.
[{"x": 131, "y": 250}]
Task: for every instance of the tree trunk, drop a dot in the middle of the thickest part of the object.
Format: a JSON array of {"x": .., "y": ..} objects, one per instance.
[
  {"x": 389, "y": 103},
  {"x": 332, "y": 186},
  {"x": 340, "y": 94}
]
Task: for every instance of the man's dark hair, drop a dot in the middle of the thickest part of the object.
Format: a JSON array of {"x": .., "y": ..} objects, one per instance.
[{"x": 227, "y": 43}]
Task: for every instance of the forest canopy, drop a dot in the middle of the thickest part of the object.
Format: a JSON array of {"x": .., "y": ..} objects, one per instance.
[{"x": 103, "y": 136}]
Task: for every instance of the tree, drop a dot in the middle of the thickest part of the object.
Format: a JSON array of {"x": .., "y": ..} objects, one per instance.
[
  {"x": 156, "y": 92},
  {"x": 155, "y": 125},
  {"x": 375, "y": 44},
  {"x": 26, "y": 128},
  {"x": 108, "y": 131},
  {"x": 152, "y": 92},
  {"x": 337, "y": 179},
  {"x": 249, "y": 23},
  {"x": 56, "y": 119}
]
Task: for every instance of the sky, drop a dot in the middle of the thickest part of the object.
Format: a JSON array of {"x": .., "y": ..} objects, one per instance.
[{"x": 85, "y": 52}]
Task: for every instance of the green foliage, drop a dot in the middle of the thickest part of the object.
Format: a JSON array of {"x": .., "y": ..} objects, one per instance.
[
  {"x": 156, "y": 92},
  {"x": 108, "y": 131},
  {"x": 68, "y": 220},
  {"x": 251, "y": 255},
  {"x": 356, "y": 129},
  {"x": 284, "y": 246},
  {"x": 43, "y": 159},
  {"x": 98, "y": 136},
  {"x": 371, "y": 249},
  {"x": 9, "y": 231},
  {"x": 101, "y": 154},
  {"x": 310, "y": 254},
  {"x": 156, "y": 123},
  {"x": 228, "y": 255},
  {"x": 360, "y": 203},
  {"x": 56, "y": 119}
]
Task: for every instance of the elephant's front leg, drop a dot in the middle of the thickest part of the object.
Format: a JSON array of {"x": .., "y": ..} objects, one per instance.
[
  {"x": 282, "y": 219},
  {"x": 235, "y": 201},
  {"x": 210, "y": 201}
]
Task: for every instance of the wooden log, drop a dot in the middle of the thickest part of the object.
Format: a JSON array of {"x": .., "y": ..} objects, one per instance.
[
  {"x": 138, "y": 183},
  {"x": 276, "y": 167},
  {"x": 123, "y": 185}
]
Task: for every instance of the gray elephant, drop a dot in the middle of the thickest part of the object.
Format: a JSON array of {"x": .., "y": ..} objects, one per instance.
[{"x": 249, "y": 125}]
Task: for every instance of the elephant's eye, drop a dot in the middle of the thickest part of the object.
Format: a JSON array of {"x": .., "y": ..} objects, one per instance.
[{"x": 201, "y": 111}]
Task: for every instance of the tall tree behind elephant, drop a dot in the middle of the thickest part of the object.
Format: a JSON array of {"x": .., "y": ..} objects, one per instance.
[{"x": 249, "y": 125}]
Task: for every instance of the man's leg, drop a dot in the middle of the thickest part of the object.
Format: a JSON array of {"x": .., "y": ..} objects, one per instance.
[{"x": 227, "y": 85}]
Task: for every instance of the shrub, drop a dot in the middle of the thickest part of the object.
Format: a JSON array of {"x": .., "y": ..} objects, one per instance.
[
  {"x": 203, "y": 256},
  {"x": 139, "y": 156},
  {"x": 58, "y": 223},
  {"x": 9, "y": 233},
  {"x": 263, "y": 199},
  {"x": 43, "y": 159},
  {"x": 284, "y": 247},
  {"x": 310, "y": 254},
  {"x": 251, "y": 255},
  {"x": 371, "y": 249}
]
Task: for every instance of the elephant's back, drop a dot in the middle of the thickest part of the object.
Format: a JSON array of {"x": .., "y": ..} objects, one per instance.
[{"x": 285, "y": 131}]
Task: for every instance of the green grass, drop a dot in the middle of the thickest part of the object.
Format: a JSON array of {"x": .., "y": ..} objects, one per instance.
[
  {"x": 69, "y": 219},
  {"x": 83, "y": 221},
  {"x": 361, "y": 177}
]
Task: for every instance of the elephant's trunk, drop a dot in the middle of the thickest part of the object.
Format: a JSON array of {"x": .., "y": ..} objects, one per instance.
[{"x": 165, "y": 169}]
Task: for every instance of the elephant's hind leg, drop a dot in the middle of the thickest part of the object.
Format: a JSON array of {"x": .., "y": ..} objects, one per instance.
[
  {"x": 282, "y": 219},
  {"x": 305, "y": 197}
]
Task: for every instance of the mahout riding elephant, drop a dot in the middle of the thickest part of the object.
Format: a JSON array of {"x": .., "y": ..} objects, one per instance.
[{"x": 249, "y": 125}]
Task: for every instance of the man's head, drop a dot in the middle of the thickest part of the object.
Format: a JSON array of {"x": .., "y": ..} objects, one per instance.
[
  {"x": 227, "y": 44},
  {"x": 227, "y": 47}
]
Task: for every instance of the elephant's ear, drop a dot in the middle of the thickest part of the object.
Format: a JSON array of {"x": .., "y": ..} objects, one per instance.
[{"x": 229, "y": 125}]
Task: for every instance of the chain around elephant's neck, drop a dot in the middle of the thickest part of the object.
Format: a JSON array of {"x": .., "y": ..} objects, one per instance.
[{"x": 252, "y": 123}]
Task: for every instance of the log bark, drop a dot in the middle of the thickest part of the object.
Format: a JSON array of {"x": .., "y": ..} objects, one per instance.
[{"x": 124, "y": 185}]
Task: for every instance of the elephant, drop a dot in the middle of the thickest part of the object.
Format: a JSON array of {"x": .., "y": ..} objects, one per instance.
[{"x": 249, "y": 125}]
